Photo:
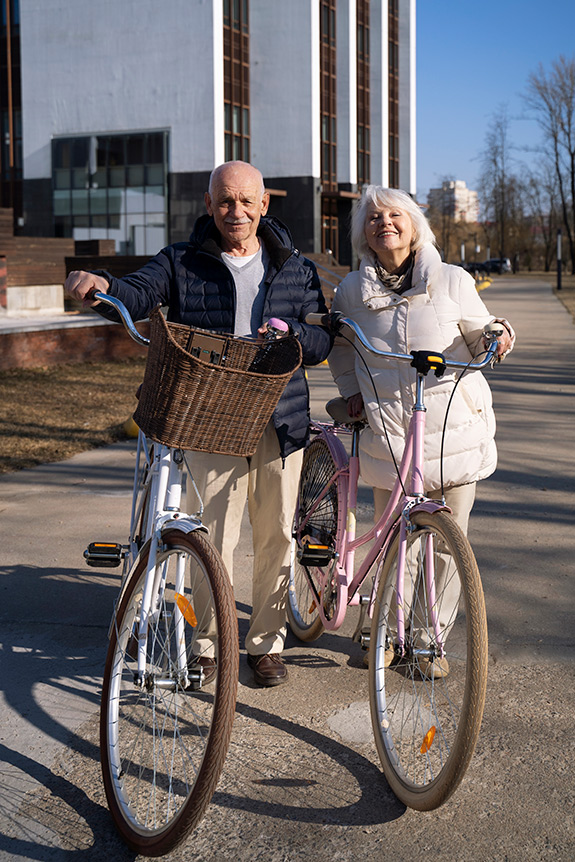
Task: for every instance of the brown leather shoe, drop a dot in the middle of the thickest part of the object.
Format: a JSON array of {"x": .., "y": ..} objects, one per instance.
[{"x": 268, "y": 669}]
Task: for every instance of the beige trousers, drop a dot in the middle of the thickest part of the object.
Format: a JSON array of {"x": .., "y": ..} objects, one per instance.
[
  {"x": 225, "y": 483},
  {"x": 460, "y": 500}
]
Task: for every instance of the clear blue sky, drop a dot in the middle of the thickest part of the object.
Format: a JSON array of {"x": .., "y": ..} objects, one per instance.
[{"x": 473, "y": 57}]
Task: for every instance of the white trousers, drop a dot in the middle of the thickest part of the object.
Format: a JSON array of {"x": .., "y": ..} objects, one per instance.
[{"x": 225, "y": 483}]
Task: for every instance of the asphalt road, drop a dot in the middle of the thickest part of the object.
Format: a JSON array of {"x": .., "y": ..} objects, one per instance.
[{"x": 302, "y": 779}]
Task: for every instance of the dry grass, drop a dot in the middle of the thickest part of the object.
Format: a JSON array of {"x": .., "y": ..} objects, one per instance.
[
  {"x": 567, "y": 295},
  {"x": 48, "y": 414}
]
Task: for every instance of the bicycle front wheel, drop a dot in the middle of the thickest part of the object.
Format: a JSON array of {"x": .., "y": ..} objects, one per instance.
[
  {"x": 315, "y": 524},
  {"x": 163, "y": 742},
  {"x": 427, "y": 700}
]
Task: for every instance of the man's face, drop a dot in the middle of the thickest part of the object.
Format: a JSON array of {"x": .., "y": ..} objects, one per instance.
[{"x": 236, "y": 203}]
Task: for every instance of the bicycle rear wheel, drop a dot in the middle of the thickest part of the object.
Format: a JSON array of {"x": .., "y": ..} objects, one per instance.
[
  {"x": 310, "y": 570},
  {"x": 426, "y": 709},
  {"x": 163, "y": 745}
]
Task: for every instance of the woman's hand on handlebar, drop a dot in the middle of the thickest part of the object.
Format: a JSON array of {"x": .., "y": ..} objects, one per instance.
[
  {"x": 79, "y": 284},
  {"x": 505, "y": 336}
]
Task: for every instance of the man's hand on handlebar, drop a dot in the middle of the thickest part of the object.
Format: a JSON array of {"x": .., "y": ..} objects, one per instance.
[{"x": 79, "y": 284}]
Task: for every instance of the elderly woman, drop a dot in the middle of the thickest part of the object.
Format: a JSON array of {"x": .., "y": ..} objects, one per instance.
[{"x": 405, "y": 298}]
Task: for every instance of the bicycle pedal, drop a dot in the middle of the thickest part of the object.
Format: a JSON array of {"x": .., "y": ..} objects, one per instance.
[
  {"x": 315, "y": 555},
  {"x": 104, "y": 555}
]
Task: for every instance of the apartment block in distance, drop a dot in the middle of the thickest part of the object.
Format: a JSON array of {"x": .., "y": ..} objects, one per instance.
[{"x": 454, "y": 199}]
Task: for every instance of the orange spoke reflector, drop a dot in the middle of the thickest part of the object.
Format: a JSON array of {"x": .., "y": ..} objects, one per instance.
[
  {"x": 312, "y": 607},
  {"x": 187, "y": 610},
  {"x": 428, "y": 740}
]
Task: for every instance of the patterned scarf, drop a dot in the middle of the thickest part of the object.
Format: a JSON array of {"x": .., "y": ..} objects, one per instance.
[{"x": 398, "y": 281}]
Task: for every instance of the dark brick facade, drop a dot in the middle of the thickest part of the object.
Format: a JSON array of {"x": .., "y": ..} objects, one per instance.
[{"x": 39, "y": 347}]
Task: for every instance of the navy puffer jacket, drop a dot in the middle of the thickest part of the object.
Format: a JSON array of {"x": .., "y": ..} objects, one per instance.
[{"x": 192, "y": 280}]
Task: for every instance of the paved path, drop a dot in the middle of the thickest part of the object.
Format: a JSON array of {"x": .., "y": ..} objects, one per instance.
[{"x": 301, "y": 780}]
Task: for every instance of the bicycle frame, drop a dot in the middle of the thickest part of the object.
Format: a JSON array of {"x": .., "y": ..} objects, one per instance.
[
  {"x": 158, "y": 478},
  {"x": 162, "y": 475},
  {"x": 403, "y": 503},
  {"x": 382, "y": 533}
]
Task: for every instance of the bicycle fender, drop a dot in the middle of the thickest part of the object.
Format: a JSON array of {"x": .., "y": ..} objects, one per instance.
[
  {"x": 430, "y": 507},
  {"x": 185, "y": 525}
]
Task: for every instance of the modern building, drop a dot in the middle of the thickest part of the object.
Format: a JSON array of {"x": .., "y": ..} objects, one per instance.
[
  {"x": 114, "y": 114},
  {"x": 454, "y": 199}
]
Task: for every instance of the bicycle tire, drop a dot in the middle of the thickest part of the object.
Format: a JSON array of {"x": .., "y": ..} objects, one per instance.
[
  {"x": 318, "y": 467},
  {"x": 163, "y": 746},
  {"x": 426, "y": 728}
]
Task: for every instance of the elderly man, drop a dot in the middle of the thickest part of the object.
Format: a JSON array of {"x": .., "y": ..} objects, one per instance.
[{"x": 239, "y": 269}]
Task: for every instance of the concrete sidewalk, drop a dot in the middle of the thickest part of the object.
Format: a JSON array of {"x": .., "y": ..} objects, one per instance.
[{"x": 302, "y": 770}]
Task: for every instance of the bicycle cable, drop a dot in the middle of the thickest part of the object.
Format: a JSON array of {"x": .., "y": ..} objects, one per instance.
[
  {"x": 372, "y": 381},
  {"x": 444, "y": 430}
]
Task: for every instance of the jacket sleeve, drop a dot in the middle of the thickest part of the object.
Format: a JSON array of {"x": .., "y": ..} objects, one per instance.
[
  {"x": 342, "y": 357},
  {"x": 143, "y": 290},
  {"x": 315, "y": 340}
]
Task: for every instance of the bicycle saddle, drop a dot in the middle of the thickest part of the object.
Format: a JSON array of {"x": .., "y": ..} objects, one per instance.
[{"x": 337, "y": 409}]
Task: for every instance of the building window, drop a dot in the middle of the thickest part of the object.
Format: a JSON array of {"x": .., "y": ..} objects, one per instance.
[
  {"x": 236, "y": 80},
  {"x": 328, "y": 95},
  {"x": 363, "y": 95},
  {"x": 329, "y": 226},
  {"x": 393, "y": 77},
  {"x": 10, "y": 108},
  {"x": 112, "y": 187},
  {"x": 329, "y": 215}
]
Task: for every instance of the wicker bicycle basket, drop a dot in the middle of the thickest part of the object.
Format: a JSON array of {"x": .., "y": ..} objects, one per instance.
[{"x": 211, "y": 392}]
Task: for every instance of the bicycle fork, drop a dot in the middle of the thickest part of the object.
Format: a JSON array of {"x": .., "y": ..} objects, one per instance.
[
  {"x": 426, "y": 574},
  {"x": 168, "y": 496}
]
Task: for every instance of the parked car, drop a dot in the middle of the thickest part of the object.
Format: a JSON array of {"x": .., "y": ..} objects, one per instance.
[
  {"x": 497, "y": 264},
  {"x": 475, "y": 268}
]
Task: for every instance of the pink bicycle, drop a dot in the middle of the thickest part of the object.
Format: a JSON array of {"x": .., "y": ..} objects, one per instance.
[{"x": 427, "y": 674}]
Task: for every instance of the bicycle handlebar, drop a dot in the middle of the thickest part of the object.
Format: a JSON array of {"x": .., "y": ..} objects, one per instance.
[
  {"x": 98, "y": 296},
  {"x": 335, "y": 321}
]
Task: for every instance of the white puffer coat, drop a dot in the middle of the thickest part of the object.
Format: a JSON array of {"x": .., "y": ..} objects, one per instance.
[{"x": 441, "y": 312}]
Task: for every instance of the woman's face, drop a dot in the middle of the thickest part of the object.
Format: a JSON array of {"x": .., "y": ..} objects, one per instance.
[{"x": 389, "y": 233}]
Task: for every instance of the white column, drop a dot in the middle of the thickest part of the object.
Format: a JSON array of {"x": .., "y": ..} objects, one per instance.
[
  {"x": 346, "y": 41},
  {"x": 218, "y": 78},
  {"x": 379, "y": 97},
  {"x": 407, "y": 106},
  {"x": 284, "y": 87}
]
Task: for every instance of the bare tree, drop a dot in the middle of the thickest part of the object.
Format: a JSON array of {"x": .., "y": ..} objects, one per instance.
[
  {"x": 498, "y": 185},
  {"x": 543, "y": 211},
  {"x": 551, "y": 97}
]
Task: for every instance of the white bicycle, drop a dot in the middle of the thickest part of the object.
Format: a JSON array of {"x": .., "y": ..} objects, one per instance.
[{"x": 166, "y": 713}]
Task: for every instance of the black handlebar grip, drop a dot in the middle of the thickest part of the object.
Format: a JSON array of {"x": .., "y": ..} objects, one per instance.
[
  {"x": 331, "y": 320},
  {"x": 314, "y": 318}
]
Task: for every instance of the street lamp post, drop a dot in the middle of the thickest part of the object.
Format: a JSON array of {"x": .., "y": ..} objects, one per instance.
[{"x": 558, "y": 258}]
